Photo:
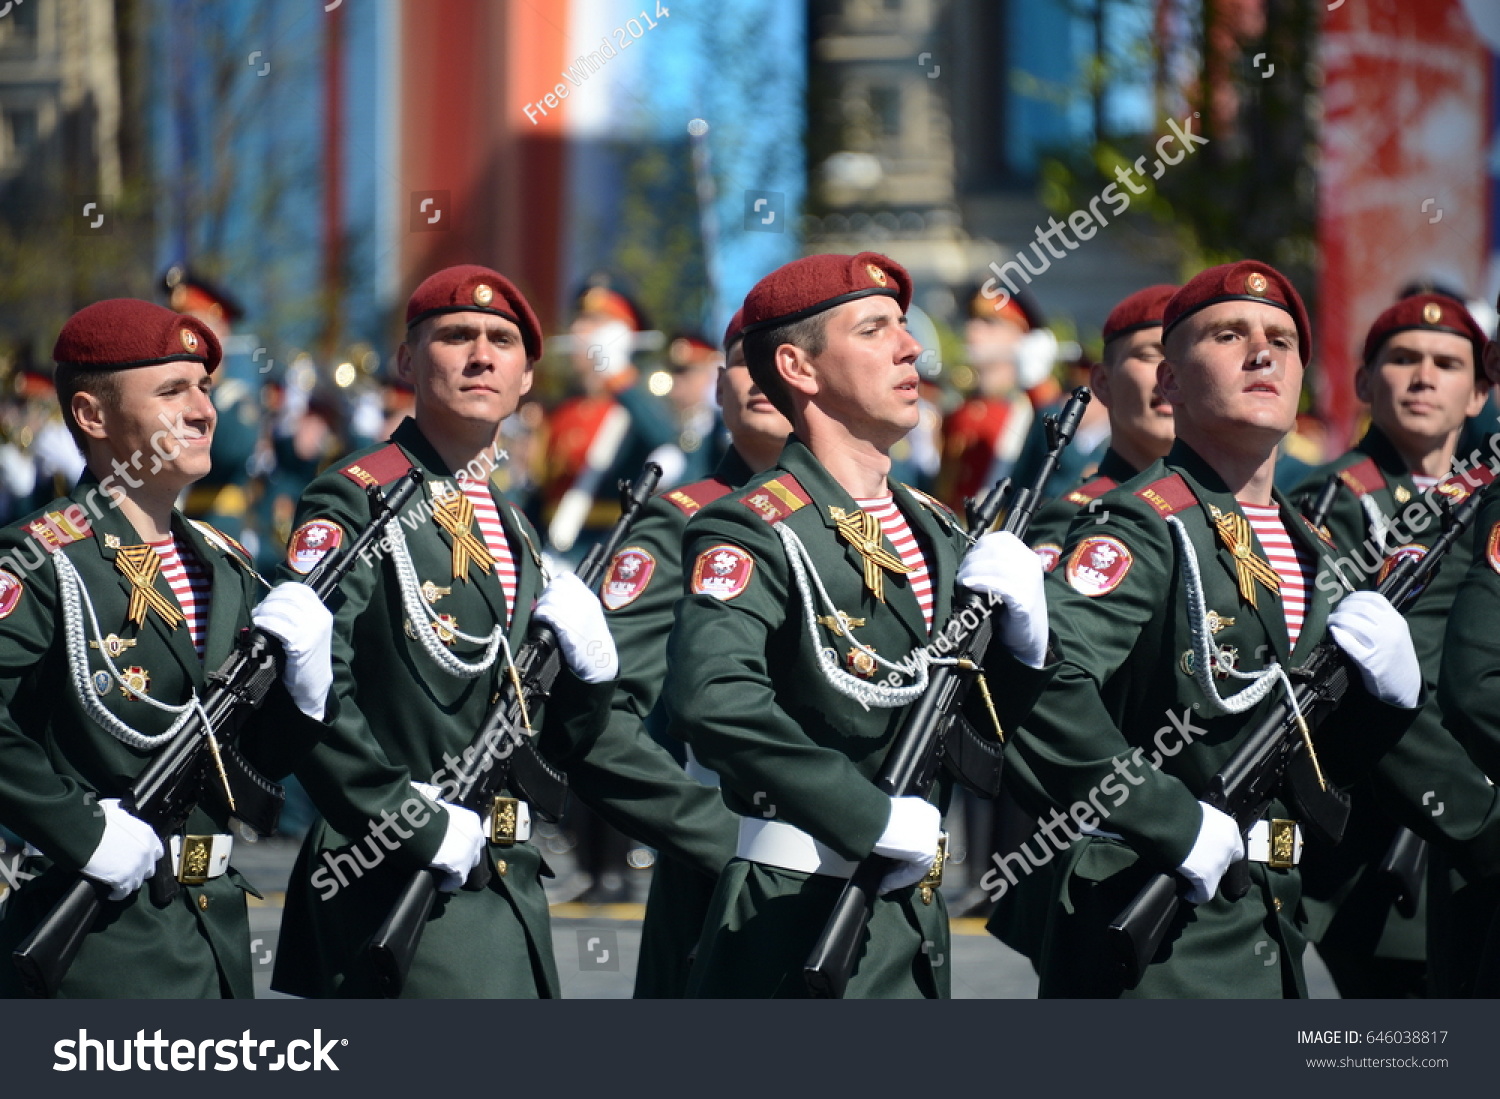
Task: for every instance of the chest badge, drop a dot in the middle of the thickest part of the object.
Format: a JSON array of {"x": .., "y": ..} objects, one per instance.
[
  {"x": 840, "y": 623},
  {"x": 114, "y": 645}
]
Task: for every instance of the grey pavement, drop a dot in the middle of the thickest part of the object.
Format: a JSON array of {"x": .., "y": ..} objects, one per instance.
[{"x": 596, "y": 949}]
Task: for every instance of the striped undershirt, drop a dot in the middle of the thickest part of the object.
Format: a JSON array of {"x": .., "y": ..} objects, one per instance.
[
  {"x": 1424, "y": 482},
  {"x": 191, "y": 583},
  {"x": 905, "y": 544},
  {"x": 1290, "y": 561},
  {"x": 488, "y": 518}
]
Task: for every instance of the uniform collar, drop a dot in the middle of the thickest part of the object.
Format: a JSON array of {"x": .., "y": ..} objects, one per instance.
[
  {"x": 1377, "y": 445},
  {"x": 732, "y": 469},
  {"x": 1116, "y": 468}
]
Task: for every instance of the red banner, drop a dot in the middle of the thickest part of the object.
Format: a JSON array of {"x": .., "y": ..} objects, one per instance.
[{"x": 1402, "y": 183}]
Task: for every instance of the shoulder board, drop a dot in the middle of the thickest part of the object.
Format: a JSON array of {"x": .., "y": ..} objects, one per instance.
[
  {"x": 777, "y": 498},
  {"x": 1459, "y": 486},
  {"x": 689, "y": 498},
  {"x": 217, "y": 538},
  {"x": 1363, "y": 478},
  {"x": 57, "y": 529},
  {"x": 1168, "y": 495},
  {"x": 1091, "y": 490},
  {"x": 378, "y": 469}
]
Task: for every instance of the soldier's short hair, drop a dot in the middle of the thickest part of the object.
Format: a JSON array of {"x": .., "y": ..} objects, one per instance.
[
  {"x": 810, "y": 334},
  {"x": 102, "y": 385}
]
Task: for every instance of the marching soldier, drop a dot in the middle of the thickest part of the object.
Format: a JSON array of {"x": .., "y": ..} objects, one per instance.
[
  {"x": 1176, "y": 618},
  {"x": 640, "y": 592},
  {"x": 84, "y": 710},
  {"x": 1469, "y": 693},
  {"x": 424, "y": 638},
  {"x": 799, "y": 646},
  {"x": 1140, "y": 427},
  {"x": 1422, "y": 376},
  {"x": 1140, "y": 419}
]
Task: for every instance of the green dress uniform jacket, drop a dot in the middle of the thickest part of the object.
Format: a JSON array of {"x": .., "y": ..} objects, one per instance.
[
  {"x": 1125, "y": 739},
  {"x": 746, "y": 690},
  {"x": 1380, "y": 515},
  {"x": 640, "y": 594},
  {"x": 1469, "y": 693},
  {"x": 57, "y": 760},
  {"x": 1019, "y": 919}
]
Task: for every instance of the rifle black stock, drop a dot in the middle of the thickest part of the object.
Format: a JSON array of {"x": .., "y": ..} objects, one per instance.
[
  {"x": 497, "y": 753},
  {"x": 172, "y": 784},
  {"x": 908, "y": 767},
  {"x": 1252, "y": 776}
]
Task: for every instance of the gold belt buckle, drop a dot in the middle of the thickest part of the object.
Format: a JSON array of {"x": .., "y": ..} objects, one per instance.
[
  {"x": 503, "y": 821},
  {"x": 197, "y": 852},
  {"x": 934, "y": 876},
  {"x": 1283, "y": 845}
]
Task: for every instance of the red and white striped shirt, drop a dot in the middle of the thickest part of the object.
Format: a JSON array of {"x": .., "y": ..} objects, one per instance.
[
  {"x": 191, "y": 582},
  {"x": 907, "y": 548},
  {"x": 1290, "y": 561},
  {"x": 488, "y": 518},
  {"x": 1423, "y": 481}
]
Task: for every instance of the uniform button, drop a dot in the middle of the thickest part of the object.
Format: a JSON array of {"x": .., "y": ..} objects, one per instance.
[
  {"x": 502, "y": 866},
  {"x": 203, "y": 901},
  {"x": 1278, "y": 904}
]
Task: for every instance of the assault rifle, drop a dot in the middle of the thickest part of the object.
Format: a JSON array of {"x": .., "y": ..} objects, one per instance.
[
  {"x": 1278, "y": 749},
  {"x": 502, "y": 755},
  {"x": 911, "y": 766},
  {"x": 202, "y": 762}
]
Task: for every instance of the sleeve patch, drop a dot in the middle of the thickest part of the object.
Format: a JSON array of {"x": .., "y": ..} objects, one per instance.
[
  {"x": 1050, "y": 553},
  {"x": 10, "y": 592},
  {"x": 1492, "y": 550},
  {"x": 1414, "y": 553},
  {"x": 1098, "y": 565},
  {"x": 722, "y": 571},
  {"x": 312, "y": 542},
  {"x": 626, "y": 580}
]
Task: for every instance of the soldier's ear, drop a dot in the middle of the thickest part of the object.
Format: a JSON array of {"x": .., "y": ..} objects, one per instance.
[
  {"x": 1362, "y": 383},
  {"x": 1166, "y": 381},
  {"x": 796, "y": 369},
  {"x": 88, "y": 412},
  {"x": 528, "y": 377},
  {"x": 1099, "y": 382},
  {"x": 403, "y": 362}
]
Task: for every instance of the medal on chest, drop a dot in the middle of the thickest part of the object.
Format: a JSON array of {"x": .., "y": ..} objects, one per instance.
[{"x": 864, "y": 532}]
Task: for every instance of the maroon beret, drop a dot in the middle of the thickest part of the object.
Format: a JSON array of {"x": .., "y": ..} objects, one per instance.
[
  {"x": 1427, "y": 313},
  {"x": 736, "y": 330},
  {"x": 1143, "y": 309},
  {"x": 122, "y": 332},
  {"x": 810, "y": 285},
  {"x": 469, "y": 288},
  {"x": 1247, "y": 280}
]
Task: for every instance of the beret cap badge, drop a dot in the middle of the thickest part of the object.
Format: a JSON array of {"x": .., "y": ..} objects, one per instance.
[
  {"x": 876, "y": 274},
  {"x": 1256, "y": 283},
  {"x": 1432, "y": 312},
  {"x": 189, "y": 339},
  {"x": 483, "y": 294}
]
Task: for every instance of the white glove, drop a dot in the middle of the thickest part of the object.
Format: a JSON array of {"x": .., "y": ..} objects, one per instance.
[
  {"x": 574, "y": 612},
  {"x": 1219, "y": 845},
  {"x": 127, "y": 853},
  {"x": 1003, "y": 567},
  {"x": 911, "y": 837},
  {"x": 1036, "y": 352},
  {"x": 298, "y": 619},
  {"x": 1375, "y": 636},
  {"x": 462, "y": 846}
]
